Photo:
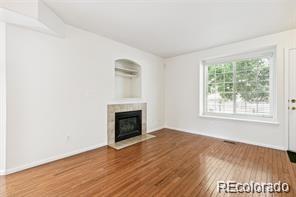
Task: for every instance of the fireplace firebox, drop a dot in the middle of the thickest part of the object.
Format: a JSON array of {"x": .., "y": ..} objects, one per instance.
[{"x": 128, "y": 124}]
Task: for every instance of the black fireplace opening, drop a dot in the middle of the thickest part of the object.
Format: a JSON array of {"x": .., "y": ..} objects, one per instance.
[{"x": 128, "y": 124}]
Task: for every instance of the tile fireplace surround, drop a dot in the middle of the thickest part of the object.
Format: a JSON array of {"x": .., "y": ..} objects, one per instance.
[{"x": 114, "y": 108}]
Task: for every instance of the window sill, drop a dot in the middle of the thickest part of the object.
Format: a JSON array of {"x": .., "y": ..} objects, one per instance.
[{"x": 240, "y": 119}]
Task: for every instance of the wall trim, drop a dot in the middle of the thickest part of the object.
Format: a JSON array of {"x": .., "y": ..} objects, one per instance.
[
  {"x": 3, "y": 98},
  {"x": 156, "y": 129},
  {"x": 51, "y": 159},
  {"x": 2, "y": 172},
  {"x": 58, "y": 157},
  {"x": 226, "y": 138},
  {"x": 82, "y": 150}
]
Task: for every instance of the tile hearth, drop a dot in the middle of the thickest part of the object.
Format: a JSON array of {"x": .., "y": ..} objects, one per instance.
[
  {"x": 131, "y": 141},
  {"x": 114, "y": 108}
]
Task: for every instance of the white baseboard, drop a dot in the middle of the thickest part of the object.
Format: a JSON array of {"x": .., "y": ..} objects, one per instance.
[
  {"x": 156, "y": 129},
  {"x": 50, "y": 159},
  {"x": 2, "y": 172},
  {"x": 227, "y": 138},
  {"x": 54, "y": 158}
]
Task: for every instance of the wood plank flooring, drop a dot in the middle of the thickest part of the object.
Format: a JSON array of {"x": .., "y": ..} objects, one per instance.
[{"x": 172, "y": 164}]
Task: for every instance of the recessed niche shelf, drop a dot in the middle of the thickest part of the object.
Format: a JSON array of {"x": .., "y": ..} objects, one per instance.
[
  {"x": 127, "y": 79},
  {"x": 126, "y": 72}
]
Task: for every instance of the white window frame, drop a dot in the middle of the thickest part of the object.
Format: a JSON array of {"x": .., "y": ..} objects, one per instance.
[{"x": 272, "y": 118}]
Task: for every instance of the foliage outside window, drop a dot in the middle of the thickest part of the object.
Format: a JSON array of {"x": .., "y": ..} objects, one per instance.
[{"x": 241, "y": 86}]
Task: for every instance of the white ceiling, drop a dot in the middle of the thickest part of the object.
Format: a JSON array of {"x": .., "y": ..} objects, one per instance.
[{"x": 169, "y": 28}]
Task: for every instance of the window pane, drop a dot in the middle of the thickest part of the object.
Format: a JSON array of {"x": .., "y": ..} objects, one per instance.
[
  {"x": 219, "y": 78},
  {"x": 218, "y": 104},
  {"x": 219, "y": 69},
  {"x": 252, "y": 87},
  {"x": 241, "y": 87},
  {"x": 212, "y": 88},
  {"x": 228, "y": 67},
  {"x": 228, "y": 87},
  {"x": 220, "y": 88},
  {"x": 229, "y": 77},
  {"x": 211, "y": 78}
]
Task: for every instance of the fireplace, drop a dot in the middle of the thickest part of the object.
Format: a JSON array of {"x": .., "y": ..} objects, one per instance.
[{"x": 128, "y": 124}]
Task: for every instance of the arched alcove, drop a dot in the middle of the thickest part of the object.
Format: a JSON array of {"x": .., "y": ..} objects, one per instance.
[{"x": 127, "y": 79}]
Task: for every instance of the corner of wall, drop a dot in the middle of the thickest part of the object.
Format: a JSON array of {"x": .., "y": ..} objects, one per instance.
[
  {"x": 50, "y": 159},
  {"x": 35, "y": 15},
  {"x": 50, "y": 19},
  {"x": 2, "y": 98}
]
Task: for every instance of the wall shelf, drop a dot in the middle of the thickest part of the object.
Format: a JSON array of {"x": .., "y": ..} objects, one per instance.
[
  {"x": 127, "y": 79},
  {"x": 125, "y": 72}
]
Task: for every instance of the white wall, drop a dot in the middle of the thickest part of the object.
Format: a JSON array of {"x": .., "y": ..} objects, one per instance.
[
  {"x": 2, "y": 97},
  {"x": 33, "y": 14},
  {"x": 27, "y": 8},
  {"x": 58, "y": 90},
  {"x": 182, "y": 95},
  {"x": 126, "y": 87},
  {"x": 123, "y": 87}
]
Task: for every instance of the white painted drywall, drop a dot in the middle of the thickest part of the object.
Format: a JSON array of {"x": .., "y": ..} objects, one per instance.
[
  {"x": 123, "y": 87},
  {"x": 127, "y": 86},
  {"x": 2, "y": 98},
  {"x": 34, "y": 14},
  {"x": 25, "y": 8},
  {"x": 58, "y": 90},
  {"x": 172, "y": 27},
  {"x": 48, "y": 18},
  {"x": 182, "y": 95}
]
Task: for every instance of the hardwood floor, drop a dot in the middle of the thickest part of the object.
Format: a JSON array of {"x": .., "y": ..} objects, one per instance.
[{"x": 172, "y": 164}]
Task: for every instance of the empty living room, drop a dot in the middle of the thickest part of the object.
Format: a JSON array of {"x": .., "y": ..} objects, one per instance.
[{"x": 175, "y": 98}]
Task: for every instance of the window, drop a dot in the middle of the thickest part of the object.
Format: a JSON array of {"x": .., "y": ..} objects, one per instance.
[{"x": 240, "y": 85}]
